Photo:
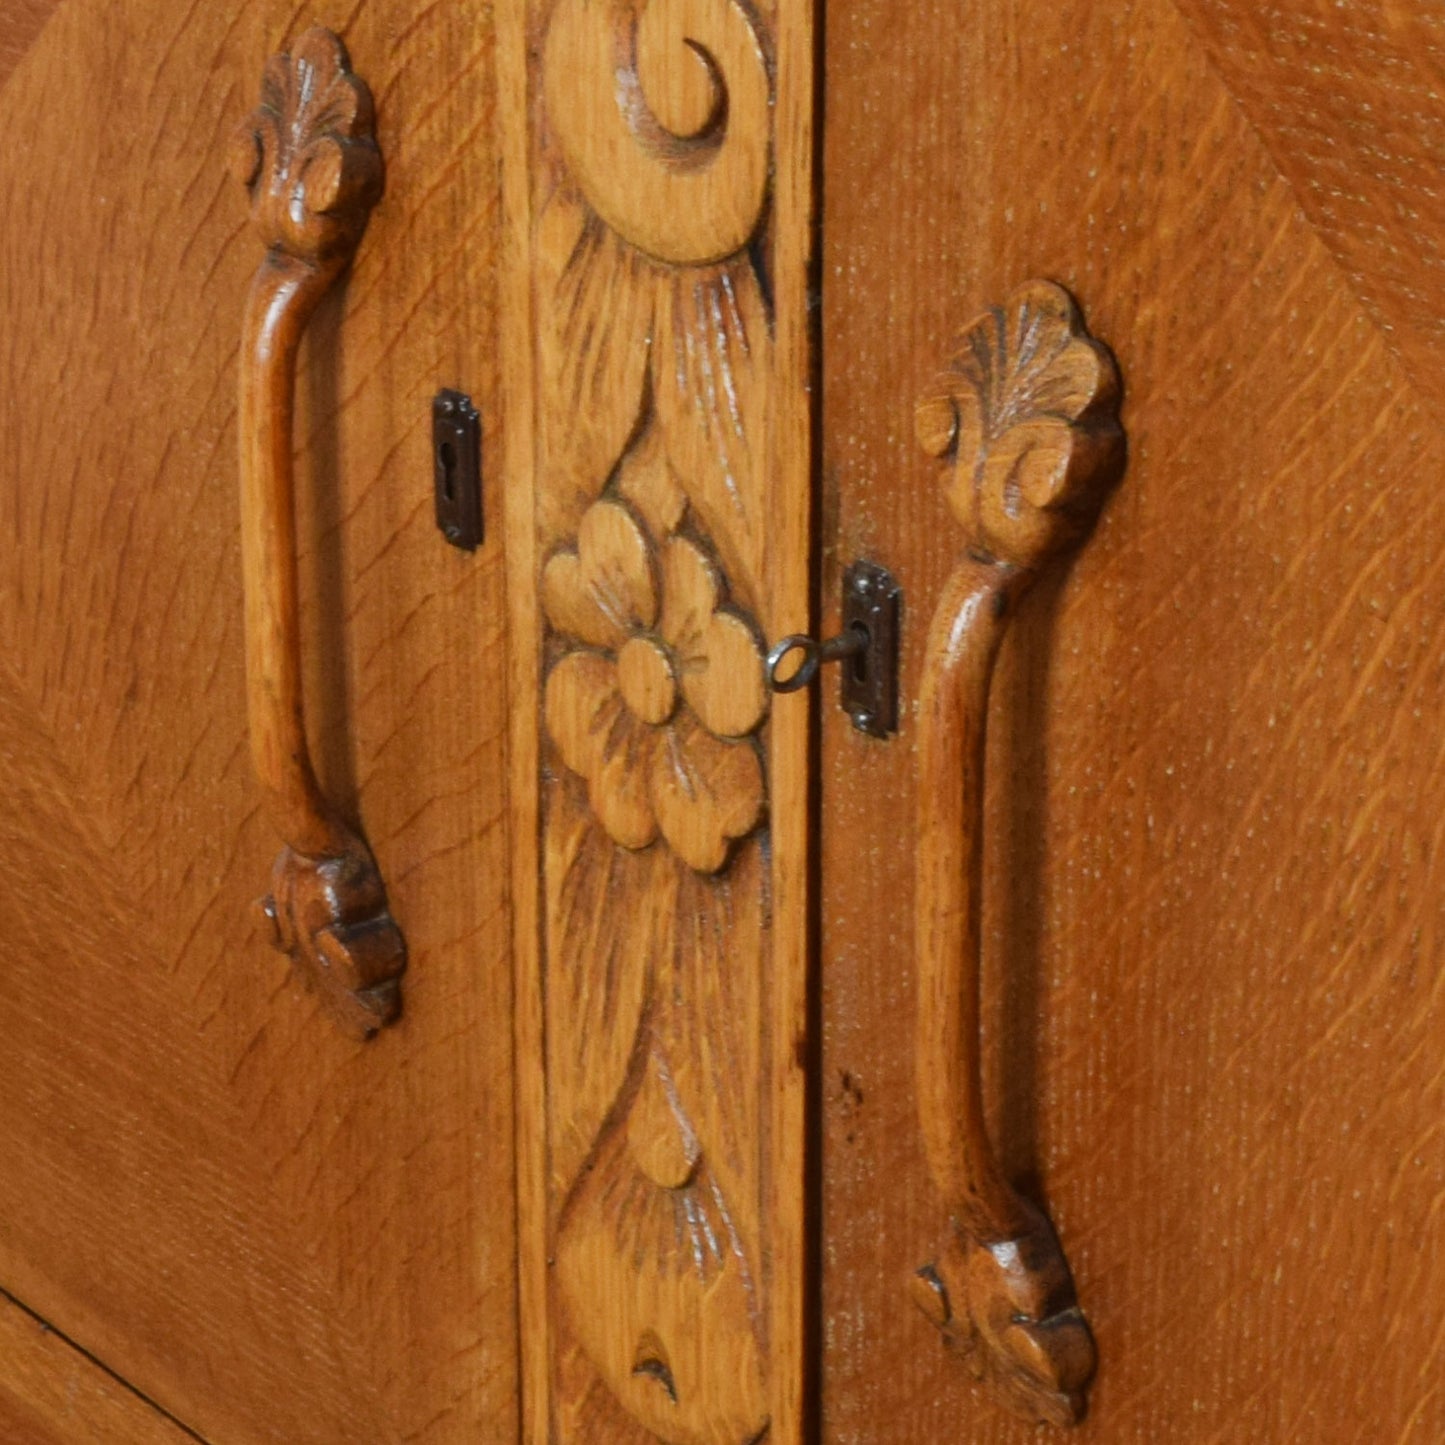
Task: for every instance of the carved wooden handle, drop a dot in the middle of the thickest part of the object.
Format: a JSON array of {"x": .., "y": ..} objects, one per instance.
[
  {"x": 310, "y": 161},
  {"x": 1027, "y": 419}
]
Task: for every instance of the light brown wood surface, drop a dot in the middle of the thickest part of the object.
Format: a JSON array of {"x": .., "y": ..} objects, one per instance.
[
  {"x": 20, "y": 22},
  {"x": 1212, "y": 849},
  {"x": 1212, "y": 1008},
  {"x": 51, "y": 1394},
  {"x": 275, "y": 1233},
  {"x": 659, "y": 191}
]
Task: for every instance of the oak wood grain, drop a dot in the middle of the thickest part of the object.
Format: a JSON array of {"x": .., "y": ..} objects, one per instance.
[
  {"x": 1210, "y": 1000},
  {"x": 270, "y": 1231},
  {"x": 51, "y": 1394},
  {"x": 1347, "y": 102},
  {"x": 20, "y": 22}
]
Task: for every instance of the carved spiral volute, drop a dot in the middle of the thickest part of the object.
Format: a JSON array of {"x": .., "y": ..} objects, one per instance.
[{"x": 660, "y": 108}]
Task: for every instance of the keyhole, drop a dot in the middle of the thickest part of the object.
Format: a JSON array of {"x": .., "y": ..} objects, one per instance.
[
  {"x": 859, "y": 660},
  {"x": 447, "y": 456}
]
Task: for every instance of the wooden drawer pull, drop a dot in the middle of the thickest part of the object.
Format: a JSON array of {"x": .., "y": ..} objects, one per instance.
[
  {"x": 1026, "y": 418},
  {"x": 310, "y": 161}
]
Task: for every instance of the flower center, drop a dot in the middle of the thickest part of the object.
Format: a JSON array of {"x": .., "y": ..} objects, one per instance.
[{"x": 645, "y": 676}]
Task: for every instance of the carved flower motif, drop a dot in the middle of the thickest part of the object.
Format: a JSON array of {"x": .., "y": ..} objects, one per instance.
[{"x": 654, "y": 707}]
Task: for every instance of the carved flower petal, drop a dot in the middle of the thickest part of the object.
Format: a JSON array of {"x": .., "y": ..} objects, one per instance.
[
  {"x": 705, "y": 792},
  {"x": 689, "y": 595},
  {"x": 602, "y": 742},
  {"x": 619, "y": 792},
  {"x": 726, "y": 686},
  {"x": 718, "y": 658},
  {"x": 602, "y": 592},
  {"x": 581, "y": 704}
]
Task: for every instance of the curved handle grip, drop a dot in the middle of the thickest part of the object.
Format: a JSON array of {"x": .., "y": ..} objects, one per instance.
[
  {"x": 1027, "y": 419},
  {"x": 310, "y": 161}
]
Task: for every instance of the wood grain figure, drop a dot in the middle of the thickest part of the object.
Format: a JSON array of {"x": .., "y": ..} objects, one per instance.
[
  {"x": 309, "y": 159},
  {"x": 51, "y": 1394}
]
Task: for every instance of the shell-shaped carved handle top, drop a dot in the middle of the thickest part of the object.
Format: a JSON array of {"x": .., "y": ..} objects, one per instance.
[
  {"x": 1028, "y": 415},
  {"x": 308, "y": 153}
]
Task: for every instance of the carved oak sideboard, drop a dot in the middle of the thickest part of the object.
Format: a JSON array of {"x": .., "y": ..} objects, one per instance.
[{"x": 718, "y": 722}]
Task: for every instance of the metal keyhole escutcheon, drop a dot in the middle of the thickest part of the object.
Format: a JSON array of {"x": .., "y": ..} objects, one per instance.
[{"x": 867, "y": 645}]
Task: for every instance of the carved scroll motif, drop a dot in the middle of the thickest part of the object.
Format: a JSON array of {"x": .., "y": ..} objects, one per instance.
[{"x": 655, "y": 351}]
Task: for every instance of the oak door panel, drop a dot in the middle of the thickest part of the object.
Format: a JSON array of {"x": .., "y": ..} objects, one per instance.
[
  {"x": 1213, "y": 874},
  {"x": 1347, "y": 103},
  {"x": 273, "y": 1232}
]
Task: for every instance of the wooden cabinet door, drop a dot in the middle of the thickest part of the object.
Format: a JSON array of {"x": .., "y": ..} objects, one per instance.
[
  {"x": 272, "y": 1231},
  {"x": 1212, "y": 875}
]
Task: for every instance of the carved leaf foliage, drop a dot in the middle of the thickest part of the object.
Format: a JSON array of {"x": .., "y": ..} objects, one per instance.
[
  {"x": 308, "y": 153},
  {"x": 601, "y": 973},
  {"x": 629, "y": 340},
  {"x": 654, "y": 1049},
  {"x": 596, "y": 311},
  {"x": 713, "y": 358},
  {"x": 675, "y": 1341},
  {"x": 708, "y": 1005},
  {"x": 1028, "y": 414}
]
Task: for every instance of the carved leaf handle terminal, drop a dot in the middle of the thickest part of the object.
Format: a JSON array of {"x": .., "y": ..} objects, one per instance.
[
  {"x": 1026, "y": 420},
  {"x": 310, "y": 161}
]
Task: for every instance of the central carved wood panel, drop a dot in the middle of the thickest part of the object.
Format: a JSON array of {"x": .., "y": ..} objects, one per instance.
[{"x": 667, "y": 545}]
